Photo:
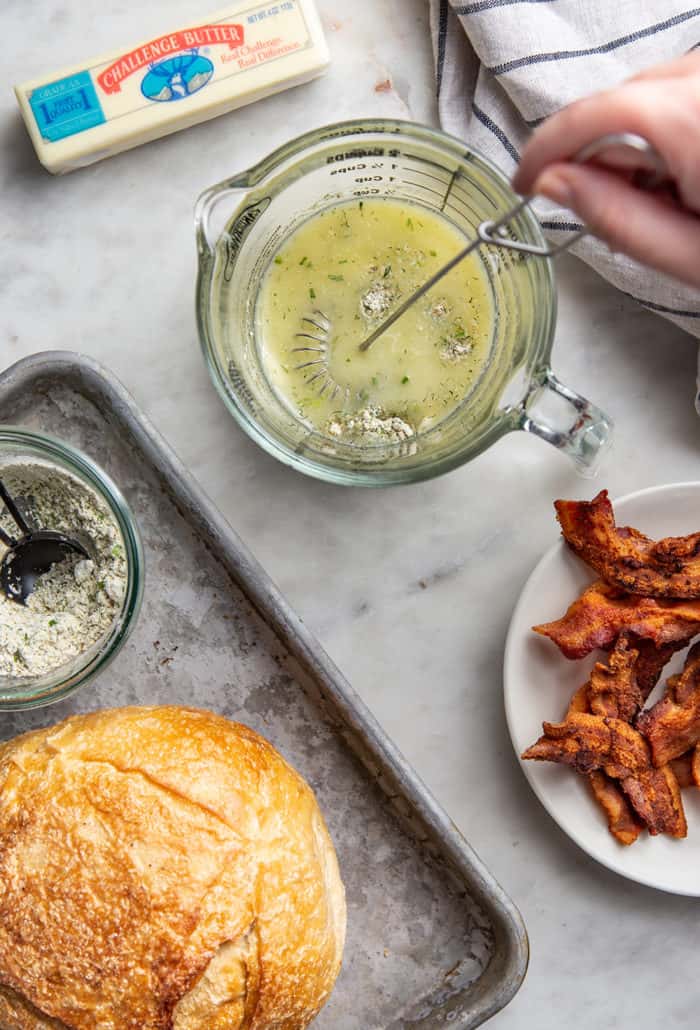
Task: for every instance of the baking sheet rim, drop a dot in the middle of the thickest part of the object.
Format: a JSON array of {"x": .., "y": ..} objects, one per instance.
[{"x": 507, "y": 968}]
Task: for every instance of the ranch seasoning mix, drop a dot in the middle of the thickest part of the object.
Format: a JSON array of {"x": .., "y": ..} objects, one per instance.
[{"x": 74, "y": 604}]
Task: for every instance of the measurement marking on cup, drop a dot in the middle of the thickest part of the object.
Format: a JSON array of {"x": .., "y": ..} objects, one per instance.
[
  {"x": 422, "y": 186},
  {"x": 464, "y": 198},
  {"x": 454, "y": 201},
  {"x": 428, "y": 175},
  {"x": 425, "y": 161},
  {"x": 452, "y": 196},
  {"x": 453, "y": 179}
]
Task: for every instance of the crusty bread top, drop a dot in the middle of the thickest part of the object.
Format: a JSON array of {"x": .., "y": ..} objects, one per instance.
[{"x": 162, "y": 869}]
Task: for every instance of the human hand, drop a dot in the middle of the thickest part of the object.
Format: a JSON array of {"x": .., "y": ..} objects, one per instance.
[{"x": 662, "y": 228}]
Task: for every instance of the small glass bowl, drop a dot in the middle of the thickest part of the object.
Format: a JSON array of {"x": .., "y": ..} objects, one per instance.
[{"x": 19, "y": 445}]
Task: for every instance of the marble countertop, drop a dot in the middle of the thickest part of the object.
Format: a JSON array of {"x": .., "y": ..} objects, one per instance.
[{"x": 409, "y": 590}]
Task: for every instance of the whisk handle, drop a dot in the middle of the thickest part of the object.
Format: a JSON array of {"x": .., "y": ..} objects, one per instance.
[{"x": 496, "y": 234}]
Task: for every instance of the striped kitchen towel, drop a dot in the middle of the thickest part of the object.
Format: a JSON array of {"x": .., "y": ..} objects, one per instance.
[{"x": 503, "y": 66}]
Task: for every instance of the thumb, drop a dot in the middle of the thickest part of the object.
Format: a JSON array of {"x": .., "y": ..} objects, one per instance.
[{"x": 642, "y": 225}]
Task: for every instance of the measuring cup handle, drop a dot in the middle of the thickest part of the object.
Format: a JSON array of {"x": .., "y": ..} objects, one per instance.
[{"x": 567, "y": 420}]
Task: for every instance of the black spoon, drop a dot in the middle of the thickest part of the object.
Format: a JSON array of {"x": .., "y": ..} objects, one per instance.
[{"x": 31, "y": 554}]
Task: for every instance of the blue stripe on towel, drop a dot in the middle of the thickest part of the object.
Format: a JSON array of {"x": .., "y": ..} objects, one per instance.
[
  {"x": 532, "y": 123},
  {"x": 563, "y": 226},
  {"x": 496, "y": 130},
  {"x": 663, "y": 308},
  {"x": 441, "y": 43},
  {"x": 488, "y": 5},
  {"x": 604, "y": 48}
]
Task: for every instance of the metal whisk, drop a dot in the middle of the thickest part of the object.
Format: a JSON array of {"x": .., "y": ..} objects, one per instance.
[
  {"x": 650, "y": 174},
  {"x": 319, "y": 335},
  {"x": 495, "y": 232}
]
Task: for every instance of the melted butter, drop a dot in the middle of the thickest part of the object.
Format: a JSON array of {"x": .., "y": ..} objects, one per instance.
[{"x": 354, "y": 263}]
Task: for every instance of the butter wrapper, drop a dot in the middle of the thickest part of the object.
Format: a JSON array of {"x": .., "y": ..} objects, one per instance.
[{"x": 136, "y": 94}]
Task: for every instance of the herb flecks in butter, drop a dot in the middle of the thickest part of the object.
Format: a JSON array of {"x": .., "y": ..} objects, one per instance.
[{"x": 354, "y": 263}]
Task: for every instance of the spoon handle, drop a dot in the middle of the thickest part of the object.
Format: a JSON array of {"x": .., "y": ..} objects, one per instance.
[{"x": 15, "y": 513}]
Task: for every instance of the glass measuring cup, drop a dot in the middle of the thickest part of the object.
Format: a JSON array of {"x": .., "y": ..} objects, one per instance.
[{"x": 240, "y": 225}]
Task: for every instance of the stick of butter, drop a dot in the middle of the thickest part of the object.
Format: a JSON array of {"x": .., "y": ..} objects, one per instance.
[{"x": 241, "y": 54}]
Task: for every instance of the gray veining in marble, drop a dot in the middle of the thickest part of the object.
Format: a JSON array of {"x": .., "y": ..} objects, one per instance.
[{"x": 409, "y": 590}]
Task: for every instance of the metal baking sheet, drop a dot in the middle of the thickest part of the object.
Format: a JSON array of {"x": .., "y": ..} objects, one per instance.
[{"x": 432, "y": 938}]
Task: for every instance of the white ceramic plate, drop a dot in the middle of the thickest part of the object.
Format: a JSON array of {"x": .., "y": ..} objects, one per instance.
[{"x": 539, "y": 681}]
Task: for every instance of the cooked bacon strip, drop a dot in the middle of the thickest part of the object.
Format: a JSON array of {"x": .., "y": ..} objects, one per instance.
[
  {"x": 579, "y": 701},
  {"x": 602, "y": 612},
  {"x": 656, "y": 798},
  {"x": 652, "y": 660},
  {"x": 672, "y": 726},
  {"x": 622, "y": 822},
  {"x": 683, "y": 769},
  {"x": 695, "y": 766},
  {"x": 625, "y": 557},
  {"x": 612, "y": 688},
  {"x": 589, "y": 743},
  {"x": 624, "y": 825},
  {"x": 648, "y": 666},
  {"x": 685, "y": 686},
  {"x": 612, "y": 691}
]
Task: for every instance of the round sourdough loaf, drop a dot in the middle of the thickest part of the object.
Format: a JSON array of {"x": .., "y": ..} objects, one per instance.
[{"x": 162, "y": 869}]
